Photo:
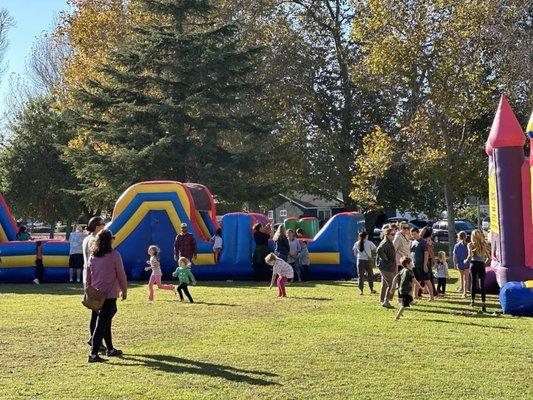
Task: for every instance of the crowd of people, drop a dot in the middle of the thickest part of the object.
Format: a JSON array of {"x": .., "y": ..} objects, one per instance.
[
  {"x": 405, "y": 257},
  {"x": 404, "y": 248}
]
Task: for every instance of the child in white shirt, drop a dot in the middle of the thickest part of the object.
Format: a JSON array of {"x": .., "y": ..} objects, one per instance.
[{"x": 217, "y": 245}]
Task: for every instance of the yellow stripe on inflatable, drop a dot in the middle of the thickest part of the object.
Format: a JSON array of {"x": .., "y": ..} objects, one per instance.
[
  {"x": 529, "y": 284},
  {"x": 203, "y": 226},
  {"x": 205, "y": 259},
  {"x": 126, "y": 198},
  {"x": 55, "y": 261},
  {"x": 324, "y": 258},
  {"x": 141, "y": 212},
  {"x": 29, "y": 261}
]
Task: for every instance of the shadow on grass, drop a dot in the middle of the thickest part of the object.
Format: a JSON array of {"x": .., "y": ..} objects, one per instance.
[
  {"x": 206, "y": 303},
  {"x": 313, "y": 298},
  {"x": 472, "y": 323},
  {"x": 180, "y": 365}
]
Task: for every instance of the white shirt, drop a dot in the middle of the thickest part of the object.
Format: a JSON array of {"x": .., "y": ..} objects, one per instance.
[
  {"x": 217, "y": 242},
  {"x": 402, "y": 245},
  {"x": 368, "y": 248},
  {"x": 283, "y": 269},
  {"x": 76, "y": 242}
]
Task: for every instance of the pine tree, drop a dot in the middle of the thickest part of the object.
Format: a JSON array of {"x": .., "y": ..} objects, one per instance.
[{"x": 173, "y": 102}]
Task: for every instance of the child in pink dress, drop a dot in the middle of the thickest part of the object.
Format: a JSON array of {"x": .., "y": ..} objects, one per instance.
[
  {"x": 280, "y": 269},
  {"x": 155, "y": 278}
]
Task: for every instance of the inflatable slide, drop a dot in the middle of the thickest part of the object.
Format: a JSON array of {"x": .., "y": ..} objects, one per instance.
[{"x": 152, "y": 212}]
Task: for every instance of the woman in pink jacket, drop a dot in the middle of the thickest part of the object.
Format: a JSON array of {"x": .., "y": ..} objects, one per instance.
[{"x": 106, "y": 273}]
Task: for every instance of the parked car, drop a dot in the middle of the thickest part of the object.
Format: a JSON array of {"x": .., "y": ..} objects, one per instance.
[
  {"x": 485, "y": 224},
  {"x": 440, "y": 229},
  {"x": 420, "y": 223}
]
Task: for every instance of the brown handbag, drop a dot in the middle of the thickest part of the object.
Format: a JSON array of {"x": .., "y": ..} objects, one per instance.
[{"x": 93, "y": 298}]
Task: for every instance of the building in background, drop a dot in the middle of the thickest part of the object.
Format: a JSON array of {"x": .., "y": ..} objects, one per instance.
[{"x": 304, "y": 205}]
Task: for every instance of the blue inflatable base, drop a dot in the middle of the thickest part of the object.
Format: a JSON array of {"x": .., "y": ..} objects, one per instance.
[{"x": 517, "y": 299}]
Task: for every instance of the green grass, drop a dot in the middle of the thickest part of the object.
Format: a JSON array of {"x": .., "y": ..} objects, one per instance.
[{"x": 240, "y": 342}]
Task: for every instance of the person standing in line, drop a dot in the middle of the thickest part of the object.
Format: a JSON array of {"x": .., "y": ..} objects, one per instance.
[
  {"x": 184, "y": 245},
  {"x": 387, "y": 266},
  {"x": 362, "y": 250},
  {"x": 427, "y": 235},
  {"x": 442, "y": 273},
  {"x": 479, "y": 256},
  {"x": 95, "y": 225},
  {"x": 420, "y": 255},
  {"x": 304, "y": 260},
  {"x": 402, "y": 244},
  {"x": 261, "y": 238},
  {"x": 460, "y": 254},
  {"x": 75, "y": 259},
  {"x": 294, "y": 254},
  {"x": 39, "y": 266},
  {"x": 282, "y": 243},
  {"x": 106, "y": 273}
]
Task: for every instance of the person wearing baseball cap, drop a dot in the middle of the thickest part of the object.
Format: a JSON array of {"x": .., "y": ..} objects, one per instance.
[{"x": 184, "y": 244}]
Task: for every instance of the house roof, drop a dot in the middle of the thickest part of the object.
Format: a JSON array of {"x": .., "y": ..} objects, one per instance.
[{"x": 308, "y": 201}]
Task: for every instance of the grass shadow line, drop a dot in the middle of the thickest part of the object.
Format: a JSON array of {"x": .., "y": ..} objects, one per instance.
[{"x": 180, "y": 365}]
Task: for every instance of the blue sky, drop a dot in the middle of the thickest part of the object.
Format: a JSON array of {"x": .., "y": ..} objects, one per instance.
[{"x": 32, "y": 18}]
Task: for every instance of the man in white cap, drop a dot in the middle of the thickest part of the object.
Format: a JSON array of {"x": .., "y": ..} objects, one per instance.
[{"x": 184, "y": 244}]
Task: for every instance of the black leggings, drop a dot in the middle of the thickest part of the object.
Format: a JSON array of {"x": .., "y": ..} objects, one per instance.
[
  {"x": 39, "y": 270},
  {"x": 441, "y": 285},
  {"x": 103, "y": 326},
  {"x": 477, "y": 271},
  {"x": 183, "y": 286}
]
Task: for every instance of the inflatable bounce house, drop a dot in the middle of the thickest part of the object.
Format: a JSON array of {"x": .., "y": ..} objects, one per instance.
[
  {"x": 511, "y": 216},
  {"x": 152, "y": 212}
]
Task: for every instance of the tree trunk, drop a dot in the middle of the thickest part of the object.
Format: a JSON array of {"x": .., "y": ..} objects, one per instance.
[
  {"x": 52, "y": 229},
  {"x": 448, "y": 190},
  {"x": 450, "y": 216},
  {"x": 68, "y": 230}
]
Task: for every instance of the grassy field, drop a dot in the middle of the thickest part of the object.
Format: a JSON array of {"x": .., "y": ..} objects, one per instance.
[{"x": 240, "y": 342}]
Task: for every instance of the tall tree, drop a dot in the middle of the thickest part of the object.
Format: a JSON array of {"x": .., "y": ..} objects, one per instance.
[
  {"x": 173, "y": 101},
  {"x": 35, "y": 181},
  {"x": 439, "y": 56},
  {"x": 324, "y": 104}
]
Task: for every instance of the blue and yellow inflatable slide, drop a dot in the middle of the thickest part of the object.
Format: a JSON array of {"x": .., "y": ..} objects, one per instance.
[{"x": 152, "y": 212}]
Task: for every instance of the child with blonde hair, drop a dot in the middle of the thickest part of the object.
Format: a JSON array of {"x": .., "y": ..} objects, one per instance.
[
  {"x": 155, "y": 278},
  {"x": 442, "y": 273},
  {"x": 281, "y": 272},
  {"x": 184, "y": 274}
]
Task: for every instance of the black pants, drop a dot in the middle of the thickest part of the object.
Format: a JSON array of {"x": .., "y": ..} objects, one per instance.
[
  {"x": 92, "y": 325},
  {"x": 441, "y": 285},
  {"x": 103, "y": 326},
  {"x": 364, "y": 271},
  {"x": 39, "y": 270},
  {"x": 477, "y": 271},
  {"x": 183, "y": 286}
]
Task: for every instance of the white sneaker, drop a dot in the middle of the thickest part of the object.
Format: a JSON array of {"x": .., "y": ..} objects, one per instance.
[{"x": 36, "y": 281}]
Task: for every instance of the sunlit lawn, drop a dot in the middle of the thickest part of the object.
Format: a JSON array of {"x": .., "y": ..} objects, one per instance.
[{"x": 239, "y": 341}]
